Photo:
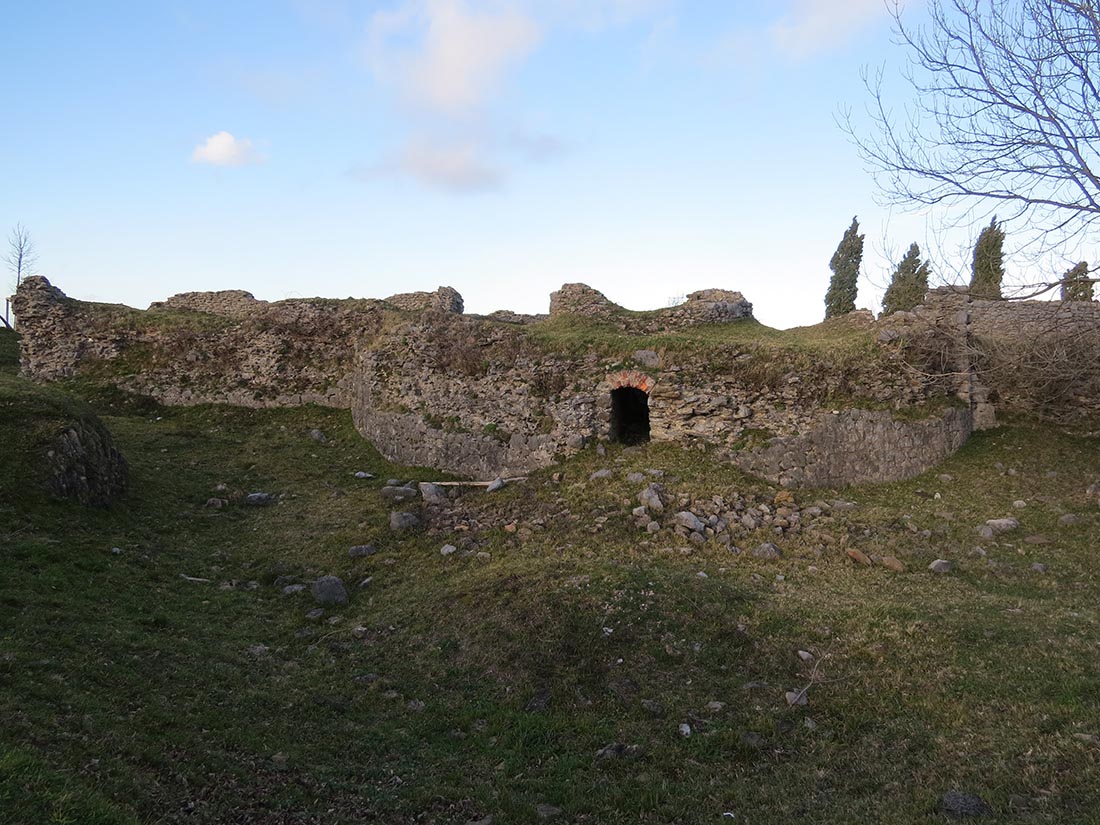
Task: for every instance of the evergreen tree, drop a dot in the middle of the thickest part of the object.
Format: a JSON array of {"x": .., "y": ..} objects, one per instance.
[
  {"x": 908, "y": 284},
  {"x": 989, "y": 269},
  {"x": 841, "y": 296},
  {"x": 1077, "y": 285}
]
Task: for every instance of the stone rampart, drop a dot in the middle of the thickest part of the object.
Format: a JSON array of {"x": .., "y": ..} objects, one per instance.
[
  {"x": 858, "y": 446},
  {"x": 232, "y": 303}
]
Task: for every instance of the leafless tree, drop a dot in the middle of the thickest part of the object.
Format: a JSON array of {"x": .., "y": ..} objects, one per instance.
[
  {"x": 1005, "y": 114},
  {"x": 20, "y": 260}
]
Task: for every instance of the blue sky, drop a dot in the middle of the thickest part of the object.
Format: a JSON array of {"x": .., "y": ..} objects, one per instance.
[{"x": 502, "y": 147}]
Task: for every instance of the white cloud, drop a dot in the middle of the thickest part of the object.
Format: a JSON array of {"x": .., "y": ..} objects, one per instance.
[
  {"x": 448, "y": 55},
  {"x": 223, "y": 149},
  {"x": 813, "y": 26}
]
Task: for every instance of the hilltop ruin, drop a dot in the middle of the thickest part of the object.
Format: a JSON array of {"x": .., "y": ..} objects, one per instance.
[{"x": 505, "y": 393}]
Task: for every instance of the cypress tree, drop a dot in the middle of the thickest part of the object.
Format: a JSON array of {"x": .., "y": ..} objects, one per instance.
[
  {"x": 989, "y": 269},
  {"x": 840, "y": 299},
  {"x": 908, "y": 284},
  {"x": 1077, "y": 285}
]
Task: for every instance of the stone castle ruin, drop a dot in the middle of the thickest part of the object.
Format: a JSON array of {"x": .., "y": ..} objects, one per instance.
[{"x": 503, "y": 394}]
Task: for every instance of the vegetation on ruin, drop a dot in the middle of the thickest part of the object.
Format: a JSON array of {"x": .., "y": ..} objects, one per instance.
[{"x": 455, "y": 688}]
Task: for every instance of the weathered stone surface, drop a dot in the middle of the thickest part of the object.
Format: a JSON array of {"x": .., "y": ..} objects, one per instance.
[
  {"x": 401, "y": 521},
  {"x": 329, "y": 590},
  {"x": 767, "y": 551},
  {"x": 1002, "y": 525},
  {"x": 941, "y": 566},
  {"x": 962, "y": 805},
  {"x": 83, "y": 464},
  {"x": 689, "y": 521},
  {"x": 652, "y": 497}
]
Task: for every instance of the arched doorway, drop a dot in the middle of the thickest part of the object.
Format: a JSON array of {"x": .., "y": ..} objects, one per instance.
[{"x": 629, "y": 416}]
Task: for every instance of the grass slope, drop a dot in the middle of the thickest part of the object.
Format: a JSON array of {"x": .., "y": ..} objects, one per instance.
[{"x": 454, "y": 688}]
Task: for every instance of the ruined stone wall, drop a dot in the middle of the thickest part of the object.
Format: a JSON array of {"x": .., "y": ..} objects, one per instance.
[
  {"x": 279, "y": 354},
  {"x": 232, "y": 303},
  {"x": 858, "y": 446},
  {"x": 481, "y": 399},
  {"x": 444, "y": 299},
  {"x": 1026, "y": 357},
  {"x": 706, "y": 306}
]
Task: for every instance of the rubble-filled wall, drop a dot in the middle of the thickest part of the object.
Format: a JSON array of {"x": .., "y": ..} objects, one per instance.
[
  {"x": 484, "y": 396},
  {"x": 1037, "y": 358}
]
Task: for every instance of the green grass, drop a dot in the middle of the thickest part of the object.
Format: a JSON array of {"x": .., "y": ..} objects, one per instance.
[{"x": 130, "y": 694}]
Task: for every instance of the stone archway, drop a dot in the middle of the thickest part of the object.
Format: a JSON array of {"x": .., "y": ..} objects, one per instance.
[{"x": 629, "y": 416}]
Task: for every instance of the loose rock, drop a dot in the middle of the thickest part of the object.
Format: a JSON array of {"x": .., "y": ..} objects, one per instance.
[
  {"x": 404, "y": 520},
  {"x": 962, "y": 804},
  {"x": 360, "y": 551},
  {"x": 767, "y": 551},
  {"x": 330, "y": 590},
  {"x": 941, "y": 566}
]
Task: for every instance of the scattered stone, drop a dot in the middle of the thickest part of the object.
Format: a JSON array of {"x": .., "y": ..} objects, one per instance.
[
  {"x": 318, "y": 436},
  {"x": 892, "y": 563},
  {"x": 260, "y": 499},
  {"x": 1019, "y": 504},
  {"x": 360, "y": 551},
  {"x": 689, "y": 521},
  {"x": 653, "y": 707},
  {"x": 700, "y": 574},
  {"x": 447, "y": 549},
  {"x": 604, "y": 473},
  {"x": 651, "y": 497},
  {"x": 795, "y": 697},
  {"x": 397, "y": 495},
  {"x": 961, "y": 805},
  {"x": 366, "y": 678},
  {"x": 653, "y": 527},
  {"x": 616, "y": 750},
  {"x": 116, "y": 551},
  {"x": 941, "y": 566},
  {"x": 859, "y": 557},
  {"x": 291, "y": 589},
  {"x": 715, "y": 707},
  {"x": 985, "y": 532},
  {"x": 685, "y": 729},
  {"x": 1068, "y": 519},
  {"x": 946, "y": 478},
  {"x": 401, "y": 520},
  {"x": 416, "y": 705},
  {"x": 432, "y": 493},
  {"x": 483, "y": 555},
  {"x": 316, "y": 614},
  {"x": 330, "y": 590},
  {"x": 545, "y": 811},
  {"x": 647, "y": 358},
  {"x": 1039, "y": 567},
  {"x": 364, "y": 475},
  {"x": 805, "y": 656},
  {"x": 1087, "y": 738},
  {"x": 216, "y": 503},
  {"x": 494, "y": 485},
  {"x": 258, "y": 650},
  {"x": 767, "y": 551},
  {"x": 366, "y": 582},
  {"x": 635, "y": 478},
  {"x": 1002, "y": 525}
]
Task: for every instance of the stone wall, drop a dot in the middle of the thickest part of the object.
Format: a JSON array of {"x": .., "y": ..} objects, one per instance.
[
  {"x": 232, "y": 303},
  {"x": 1037, "y": 358},
  {"x": 284, "y": 353},
  {"x": 858, "y": 446},
  {"x": 483, "y": 399},
  {"x": 706, "y": 306},
  {"x": 444, "y": 299}
]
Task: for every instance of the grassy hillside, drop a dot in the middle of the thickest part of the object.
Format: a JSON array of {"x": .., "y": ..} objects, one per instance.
[{"x": 153, "y": 670}]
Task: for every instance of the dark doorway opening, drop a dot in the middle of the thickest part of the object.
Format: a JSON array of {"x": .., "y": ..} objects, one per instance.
[{"x": 629, "y": 416}]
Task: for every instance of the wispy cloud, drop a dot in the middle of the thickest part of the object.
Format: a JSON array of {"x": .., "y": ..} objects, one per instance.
[
  {"x": 455, "y": 166},
  {"x": 223, "y": 149},
  {"x": 447, "y": 55},
  {"x": 811, "y": 27}
]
